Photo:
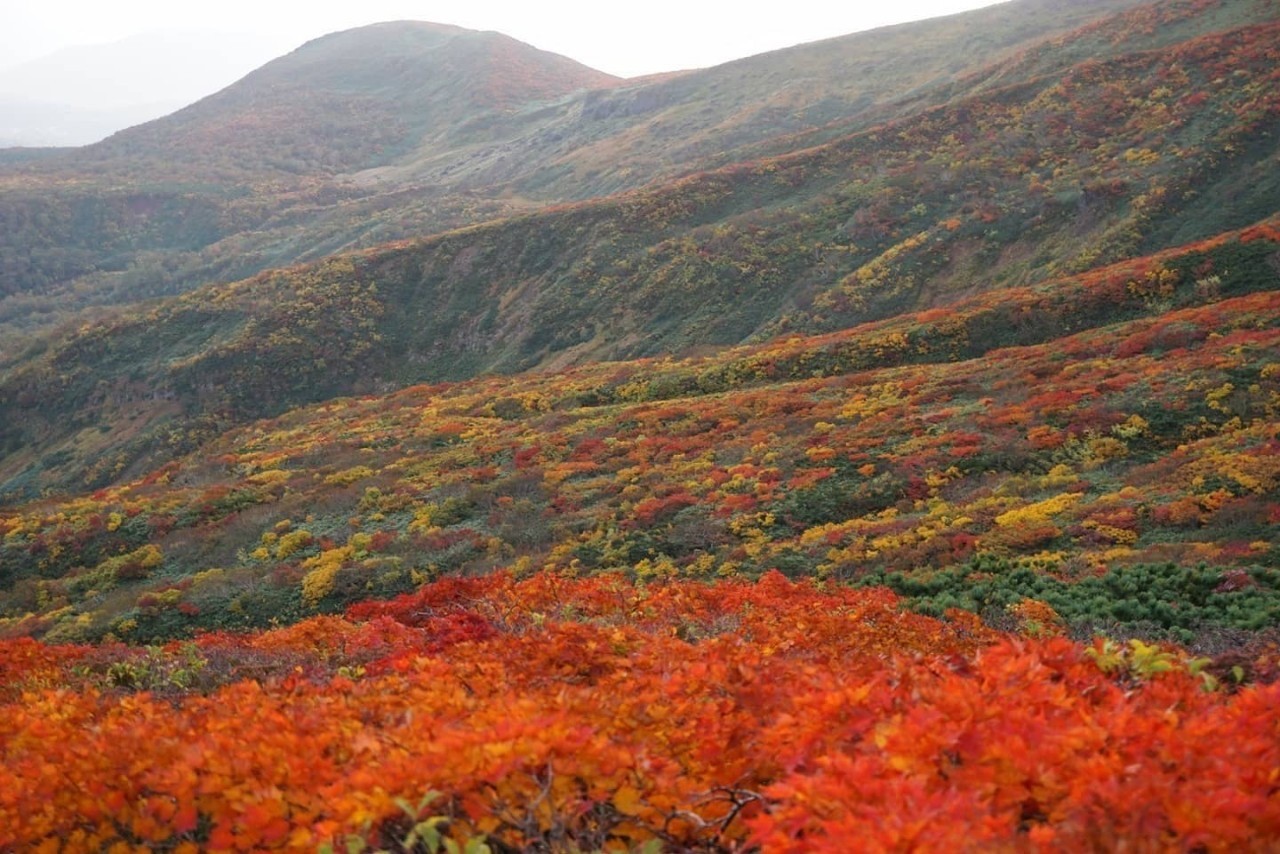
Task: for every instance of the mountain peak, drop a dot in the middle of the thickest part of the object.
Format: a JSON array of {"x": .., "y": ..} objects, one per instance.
[
  {"x": 351, "y": 99},
  {"x": 386, "y": 39}
]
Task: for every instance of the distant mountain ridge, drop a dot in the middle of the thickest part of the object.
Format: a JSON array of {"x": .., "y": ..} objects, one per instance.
[
  {"x": 31, "y": 124},
  {"x": 80, "y": 95}
]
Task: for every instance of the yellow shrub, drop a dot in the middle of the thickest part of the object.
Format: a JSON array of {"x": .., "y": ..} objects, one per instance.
[
  {"x": 349, "y": 476},
  {"x": 292, "y": 542},
  {"x": 1040, "y": 512},
  {"x": 323, "y": 572}
]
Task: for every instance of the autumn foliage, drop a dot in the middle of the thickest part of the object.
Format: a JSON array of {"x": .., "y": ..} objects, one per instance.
[
  {"x": 604, "y": 714},
  {"x": 918, "y": 453},
  {"x": 986, "y": 560}
]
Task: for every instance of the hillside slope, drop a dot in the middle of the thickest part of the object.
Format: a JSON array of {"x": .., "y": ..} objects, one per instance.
[
  {"x": 896, "y": 452},
  {"x": 1023, "y": 184},
  {"x": 352, "y": 169}
]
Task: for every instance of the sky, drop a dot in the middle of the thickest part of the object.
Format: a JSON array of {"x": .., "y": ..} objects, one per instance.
[{"x": 627, "y": 39}]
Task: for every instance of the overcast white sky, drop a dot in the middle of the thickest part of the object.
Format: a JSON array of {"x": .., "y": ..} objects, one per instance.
[{"x": 627, "y": 39}]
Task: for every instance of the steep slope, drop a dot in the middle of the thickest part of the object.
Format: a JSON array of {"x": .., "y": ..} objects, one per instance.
[
  {"x": 1012, "y": 187},
  {"x": 976, "y": 518}
]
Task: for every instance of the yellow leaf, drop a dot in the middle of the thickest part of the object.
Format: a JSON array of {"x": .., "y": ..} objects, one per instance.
[{"x": 627, "y": 800}]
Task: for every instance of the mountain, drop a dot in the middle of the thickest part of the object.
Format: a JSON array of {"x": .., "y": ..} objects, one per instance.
[
  {"x": 1009, "y": 187},
  {"x": 344, "y": 102},
  {"x": 257, "y": 158},
  {"x": 282, "y": 188},
  {"x": 626, "y": 136}
]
